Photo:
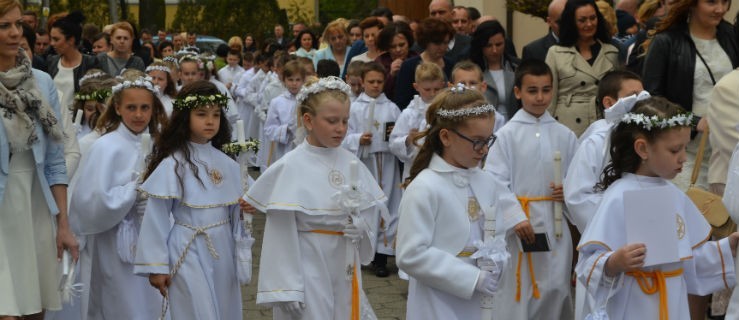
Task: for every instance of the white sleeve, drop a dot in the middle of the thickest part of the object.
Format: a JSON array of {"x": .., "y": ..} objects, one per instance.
[
  {"x": 275, "y": 128},
  {"x": 579, "y": 185},
  {"x": 711, "y": 269},
  {"x": 731, "y": 193},
  {"x": 153, "y": 258},
  {"x": 399, "y": 135},
  {"x": 280, "y": 275}
]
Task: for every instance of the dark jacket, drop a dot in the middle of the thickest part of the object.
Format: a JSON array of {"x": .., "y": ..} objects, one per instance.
[
  {"x": 134, "y": 62},
  {"x": 538, "y": 48},
  {"x": 387, "y": 61},
  {"x": 671, "y": 58},
  {"x": 88, "y": 62}
]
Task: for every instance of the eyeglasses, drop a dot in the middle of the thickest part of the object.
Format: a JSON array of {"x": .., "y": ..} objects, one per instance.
[{"x": 477, "y": 145}]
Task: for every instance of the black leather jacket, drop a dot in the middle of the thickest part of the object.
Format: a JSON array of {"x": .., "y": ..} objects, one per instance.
[
  {"x": 88, "y": 62},
  {"x": 671, "y": 58}
]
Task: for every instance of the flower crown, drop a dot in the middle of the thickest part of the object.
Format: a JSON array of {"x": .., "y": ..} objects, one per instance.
[
  {"x": 98, "y": 95},
  {"x": 91, "y": 76},
  {"x": 158, "y": 68},
  {"x": 195, "y": 101},
  {"x": 235, "y": 148},
  {"x": 193, "y": 58},
  {"x": 323, "y": 84},
  {"x": 465, "y": 112},
  {"x": 141, "y": 82},
  {"x": 459, "y": 88},
  {"x": 649, "y": 122}
]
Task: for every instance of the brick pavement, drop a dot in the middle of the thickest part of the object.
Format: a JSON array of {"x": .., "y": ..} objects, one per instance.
[{"x": 387, "y": 295}]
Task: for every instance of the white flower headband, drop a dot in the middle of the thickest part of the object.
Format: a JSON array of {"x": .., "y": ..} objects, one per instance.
[
  {"x": 192, "y": 58},
  {"x": 623, "y": 106},
  {"x": 323, "y": 84},
  {"x": 649, "y": 122},
  {"x": 465, "y": 112},
  {"x": 158, "y": 68},
  {"x": 92, "y": 76},
  {"x": 141, "y": 82},
  {"x": 459, "y": 88}
]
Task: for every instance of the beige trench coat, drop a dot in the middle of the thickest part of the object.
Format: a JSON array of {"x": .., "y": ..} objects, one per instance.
[{"x": 576, "y": 84}]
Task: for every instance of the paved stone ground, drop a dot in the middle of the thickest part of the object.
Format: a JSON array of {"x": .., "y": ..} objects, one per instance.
[{"x": 387, "y": 295}]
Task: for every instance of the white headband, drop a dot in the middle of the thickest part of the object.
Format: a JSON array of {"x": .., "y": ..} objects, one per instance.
[
  {"x": 323, "y": 84},
  {"x": 158, "y": 68},
  {"x": 624, "y": 106},
  {"x": 141, "y": 82},
  {"x": 91, "y": 76},
  {"x": 465, "y": 112}
]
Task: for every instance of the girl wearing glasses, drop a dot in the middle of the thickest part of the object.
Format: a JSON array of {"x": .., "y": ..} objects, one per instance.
[
  {"x": 537, "y": 283},
  {"x": 443, "y": 209}
]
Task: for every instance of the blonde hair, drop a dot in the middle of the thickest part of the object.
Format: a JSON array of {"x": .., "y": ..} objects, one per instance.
[
  {"x": 446, "y": 100},
  {"x": 312, "y": 104},
  {"x": 236, "y": 40},
  {"x": 339, "y": 25},
  {"x": 609, "y": 15},
  {"x": 428, "y": 71},
  {"x": 7, "y": 5}
]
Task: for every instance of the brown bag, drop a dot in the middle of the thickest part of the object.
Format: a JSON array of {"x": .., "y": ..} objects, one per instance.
[{"x": 709, "y": 204}]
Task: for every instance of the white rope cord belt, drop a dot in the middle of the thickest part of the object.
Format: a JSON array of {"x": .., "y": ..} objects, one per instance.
[{"x": 208, "y": 242}]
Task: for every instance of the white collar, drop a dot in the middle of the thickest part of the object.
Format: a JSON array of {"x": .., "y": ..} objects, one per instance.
[{"x": 525, "y": 117}]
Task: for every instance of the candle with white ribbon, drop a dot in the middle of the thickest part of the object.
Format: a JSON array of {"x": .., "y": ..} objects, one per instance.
[
  {"x": 78, "y": 118},
  {"x": 240, "y": 132},
  {"x": 557, "y": 204}
]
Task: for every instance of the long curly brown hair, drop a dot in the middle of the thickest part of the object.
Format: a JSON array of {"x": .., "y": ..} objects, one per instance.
[
  {"x": 624, "y": 158},
  {"x": 176, "y": 134}
]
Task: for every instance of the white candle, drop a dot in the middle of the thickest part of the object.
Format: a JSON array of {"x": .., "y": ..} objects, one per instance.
[
  {"x": 353, "y": 173},
  {"x": 78, "y": 117},
  {"x": 145, "y": 144},
  {"x": 370, "y": 117},
  {"x": 240, "y": 131},
  {"x": 557, "y": 204}
]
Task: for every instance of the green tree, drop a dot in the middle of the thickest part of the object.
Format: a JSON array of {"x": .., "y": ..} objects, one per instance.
[
  {"x": 536, "y": 8},
  {"x": 226, "y": 18},
  {"x": 152, "y": 14},
  {"x": 349, "y": 9}
]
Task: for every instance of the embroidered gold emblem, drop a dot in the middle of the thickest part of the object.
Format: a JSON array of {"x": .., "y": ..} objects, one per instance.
[
  {"x": 680, "y": 227},
  {"x": 376, "y": 125},
  {"x": 473, "y": 209},
  {"x": 215, "y": 176}
]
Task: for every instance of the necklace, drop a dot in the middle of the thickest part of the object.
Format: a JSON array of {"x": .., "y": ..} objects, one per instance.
[{"x": 335, "y": 177}]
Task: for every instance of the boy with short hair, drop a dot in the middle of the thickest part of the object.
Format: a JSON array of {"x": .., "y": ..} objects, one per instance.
[
  {"x": 354, "y": 78},
  {"x": 469, "y": 74},
  {"x": 522, "y": 159},
  {"x": 232, "y": 71},
  {"x": 281, "y": 121},
  {"x": 371, "y": 120},
  {"x": 429, "y": 81}
]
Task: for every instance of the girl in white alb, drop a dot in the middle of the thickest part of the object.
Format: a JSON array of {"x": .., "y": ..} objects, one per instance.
[
  {"x": 106, "y": 208},
  {"x": 445, "y": 209},
  {"x": 322, "y": 212},
  {"x": 191, "y": 262},
  {"x": 648, "y": 149}
]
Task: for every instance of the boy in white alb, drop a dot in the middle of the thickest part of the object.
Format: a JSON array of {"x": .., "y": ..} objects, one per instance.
[
  {"x": 281, "y": 122},
  {"x": 372, "y": 118},
  {"x": 231, "y": 73},
  {"x": 429, "y": 80},
  {"x": 536, "y": 284}
]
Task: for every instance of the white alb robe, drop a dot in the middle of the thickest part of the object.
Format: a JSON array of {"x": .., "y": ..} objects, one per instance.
[
  {"x": 279, "y": 129},
  {"x": 204, "y": 286},
  {"x": 707, "y": 266},
  {"x": 103, "y": 195},
  {"x": 413, "y": 117},
  {"x": 584, "y": 173},
  {"x": 522, "y": 159},
  {"x": 300, "y": 265},
  {"x": 379, "y": 160},
  {"x": 435, "y": 227},
  {"x": 229, "y": 74},
  {"x": 243, "y": 92}
]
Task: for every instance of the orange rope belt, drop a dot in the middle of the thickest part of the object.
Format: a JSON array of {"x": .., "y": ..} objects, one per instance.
[
  {"x": 657, "y": 285},
  {"x": 525, "y": 201}
]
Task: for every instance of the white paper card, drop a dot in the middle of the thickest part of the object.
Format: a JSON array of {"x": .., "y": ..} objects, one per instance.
[{"x": 651, "y": 219}]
